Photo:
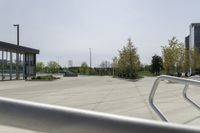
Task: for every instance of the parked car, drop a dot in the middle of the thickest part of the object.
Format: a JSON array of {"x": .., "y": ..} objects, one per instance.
[{"x": 70, "y": 74}]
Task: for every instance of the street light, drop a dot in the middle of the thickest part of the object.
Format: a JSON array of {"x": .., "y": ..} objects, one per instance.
[
  {"x": 90, "y": 58},
  {"x": 17, "y": 25},
  {"x": 17, "y": 58}
]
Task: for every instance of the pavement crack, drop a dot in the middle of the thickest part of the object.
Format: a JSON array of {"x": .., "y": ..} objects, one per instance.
[{"x": 102, "y": 100}]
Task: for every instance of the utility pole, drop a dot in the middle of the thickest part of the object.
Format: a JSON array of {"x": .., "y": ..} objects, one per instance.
[
  {"x": 90, "y": 59},
  {"x": 17, "y": 58},
  {"x": 58, "y": 58}
]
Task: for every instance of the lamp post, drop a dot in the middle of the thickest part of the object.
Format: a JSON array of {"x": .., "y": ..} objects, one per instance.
[
  {"x": 17, "y": 25},
  {"x": 90, "y": 58},
  {"x": 17, "y": 56},
  {"x": 90, "y": 61}
]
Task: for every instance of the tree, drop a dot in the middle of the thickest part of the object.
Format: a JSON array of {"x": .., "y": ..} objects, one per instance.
[
  {"x": 173, "y": 56},
  {"x": 128, "y": 63},
  {"x": 105, "y": 64},
  {"x": 195, "y": 59},
  {"x": 156, "y": 64},
  {"x": 40, "y": 67},
  {"x": 105, "y": 68},
  {"x": 84, "y": 69},
  {"x": 186, "y": 61},
  {"x": 53, "y": 66}
]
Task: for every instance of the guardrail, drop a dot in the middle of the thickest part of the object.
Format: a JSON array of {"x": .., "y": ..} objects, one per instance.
[
  {"x": 187, "y": 82},
  {"x": 185, "y": 93},
  {"x": 56, "y": 119}
]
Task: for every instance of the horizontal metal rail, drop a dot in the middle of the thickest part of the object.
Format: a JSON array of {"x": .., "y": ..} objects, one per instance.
[
  {"x": 56, "y": 119},
  {"x": 172, "y": 79},
  {"x": 185, "y": 93}
]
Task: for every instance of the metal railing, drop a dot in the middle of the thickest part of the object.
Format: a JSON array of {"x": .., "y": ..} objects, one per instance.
[
  {"x": 187, "y": 82},
  {"x": 56, "y": 119},
  {"x": 185, "y": 92}
]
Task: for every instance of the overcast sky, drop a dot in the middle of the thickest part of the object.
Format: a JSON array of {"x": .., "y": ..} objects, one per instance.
[{"x": 66, "y": 29}]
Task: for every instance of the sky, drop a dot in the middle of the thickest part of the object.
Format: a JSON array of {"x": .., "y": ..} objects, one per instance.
[{"x": 64, "y": 30}]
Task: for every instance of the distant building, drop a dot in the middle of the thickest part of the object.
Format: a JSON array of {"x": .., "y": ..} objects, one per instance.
[
  {"x": 193, "y": 41},
  {"x": 187, "y": 41},
  {"x": 17, "y": 62}
]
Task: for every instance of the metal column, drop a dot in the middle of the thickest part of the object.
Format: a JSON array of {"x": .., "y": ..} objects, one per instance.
[
  {"x": 34, "y": 69},
  {"x": 6, "y": 64},
  {"x": 24, "y": 61},
  {"x": 17, "y": 65},
  {"x": 10, "y": 65},
  {"x": 2, "y": 65}
]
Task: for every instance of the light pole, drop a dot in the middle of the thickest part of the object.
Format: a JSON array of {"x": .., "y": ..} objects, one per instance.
[
  {"x": 90, "y": 59},
  {"x": 17, "y": 25},
  {"x": 58, "y": 59},
  {"x": 90, "y": 69},
  {"x": 17, "y": 58}
]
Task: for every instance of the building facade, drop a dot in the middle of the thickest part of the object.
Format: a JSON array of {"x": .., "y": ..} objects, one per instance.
[
  {"x": 17, "y": 62},
  {"x": 192, "y": 41}
]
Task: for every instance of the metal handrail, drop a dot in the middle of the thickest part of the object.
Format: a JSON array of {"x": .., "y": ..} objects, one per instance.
[
  {"x": 185, "y": 93},
  {"x": 187, "y": 82},
  {"x": 56, "y": 119}
]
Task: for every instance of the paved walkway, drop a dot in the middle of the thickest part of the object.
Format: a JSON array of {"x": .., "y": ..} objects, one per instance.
[{"x": 107, "y": 94}]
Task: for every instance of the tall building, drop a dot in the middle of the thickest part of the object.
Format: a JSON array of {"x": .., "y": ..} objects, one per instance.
[
  {"x": 193, "y": 41},
  {"x": 187, "y": 41}
]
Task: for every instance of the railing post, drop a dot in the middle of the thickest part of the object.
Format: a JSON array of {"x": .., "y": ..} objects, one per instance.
[
  {"x": 151, "y": 99},
  {"x": 187, "y": 82},
  {"x": 186, "y": 96}
]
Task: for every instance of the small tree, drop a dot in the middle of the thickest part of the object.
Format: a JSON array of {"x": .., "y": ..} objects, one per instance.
[
  {"x": 128, "y": 63},
  {"x": 186, "y": 61},
  {"x": 84, "y": 69},
  {"x": 40, "y": 67},
  {"x": 53, "y": 66},
  {"x": 105, "y": 68},
  {"x": 156, "y": 64},
  {"x": 105, "y": 64},
  {"x": 173, "y": 56}
]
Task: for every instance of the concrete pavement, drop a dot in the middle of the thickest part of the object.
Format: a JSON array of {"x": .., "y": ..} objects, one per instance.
[{"x": 107, "y": 94}]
